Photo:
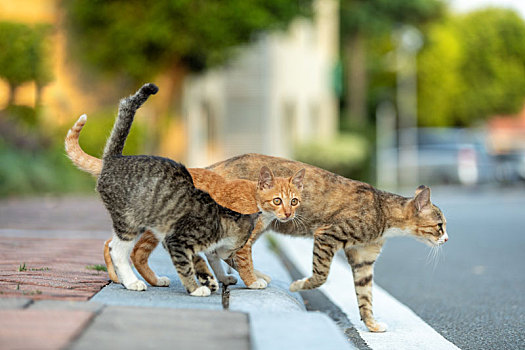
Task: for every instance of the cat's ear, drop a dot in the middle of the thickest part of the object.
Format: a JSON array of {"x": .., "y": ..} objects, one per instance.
[
  {"x": 265, "y": 178},
  {"x": 419, "y": 189},
  {"x": 422, "y": 198},
  {"x": 297, "y": 179}
]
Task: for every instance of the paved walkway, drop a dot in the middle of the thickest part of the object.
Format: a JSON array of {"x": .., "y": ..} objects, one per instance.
[
  {"x": 46, "y": 247},
  {"x": 50, "y": 248}
]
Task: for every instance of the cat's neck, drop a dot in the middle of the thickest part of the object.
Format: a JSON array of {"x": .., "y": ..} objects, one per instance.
[
  {"x": 229, "y": 220},
  {"x": 395, "y": 214}
]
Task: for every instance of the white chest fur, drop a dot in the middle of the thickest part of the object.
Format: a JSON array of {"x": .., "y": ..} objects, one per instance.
[
  {"x": 396, "y": 232},
  {"x": 225, "y": 243}
]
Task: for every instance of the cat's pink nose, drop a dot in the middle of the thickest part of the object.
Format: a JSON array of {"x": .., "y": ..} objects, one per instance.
[
  {"x": 287, "y": 215},
  {"x": 446, "y": 239}
]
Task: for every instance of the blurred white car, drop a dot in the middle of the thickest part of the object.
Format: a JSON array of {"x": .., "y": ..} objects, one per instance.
[{"x": 450, "y": 155}]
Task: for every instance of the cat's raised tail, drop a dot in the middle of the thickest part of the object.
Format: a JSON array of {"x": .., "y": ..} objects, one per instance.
[
  {"x": 77, "y": 155},
  {"x": 126, "y": 112}
]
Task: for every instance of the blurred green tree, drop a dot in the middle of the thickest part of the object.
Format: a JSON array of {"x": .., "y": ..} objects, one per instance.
[
  {"x": 23, "y": 56},
  {"x": 138, "y": 39},
  {"x": 41, "y": 69},
  {"x": 363, "y": 21},
  {"x": 472, "y": 67}
]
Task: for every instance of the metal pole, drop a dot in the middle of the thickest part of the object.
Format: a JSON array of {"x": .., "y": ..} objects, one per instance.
[{"x": 386, "y": 156}]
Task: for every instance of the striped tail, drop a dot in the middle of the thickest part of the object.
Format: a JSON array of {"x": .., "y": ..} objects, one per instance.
[{"x": 127, "y": 108}]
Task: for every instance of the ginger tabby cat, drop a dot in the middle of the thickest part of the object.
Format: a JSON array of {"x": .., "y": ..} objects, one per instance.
[{"x": 276, "y": 197}]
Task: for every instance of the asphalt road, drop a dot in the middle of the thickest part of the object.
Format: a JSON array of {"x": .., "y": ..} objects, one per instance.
[{"x": 473, "y": 293}]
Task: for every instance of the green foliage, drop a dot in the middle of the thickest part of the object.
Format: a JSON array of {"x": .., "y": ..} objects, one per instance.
[
  {"x": 140, "y": 38},
  {"x": 472, "y": 67},
  {"x": 49, "y": 171},
  {"x": 32, "y": 164},
  {"x": 97, "y": 267},
  {"x": 363, "y": 25},
  {"x": 439, "y": 76},
  {"x": 24, "y": 115},
  {"x": 344, "y": 155},
  {"x": 23, "y": 56},
  {"x": 380, "y": 16},
  {"x": 381, "y": 71},
  {"x": 97, "y": 129}
]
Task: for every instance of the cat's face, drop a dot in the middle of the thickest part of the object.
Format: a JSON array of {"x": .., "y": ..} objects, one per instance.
[
  {"x": 427, "y": 223},
  {"x": 279, "y": 197}
]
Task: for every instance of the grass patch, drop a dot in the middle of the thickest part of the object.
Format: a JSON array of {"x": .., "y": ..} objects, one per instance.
[
  {"x": 22, "y": 267},
  {"x": 40, "y": 269},
  {"x": 97, "y": 267},
  {"x": 33, "y": 292},
  {"x": 272, "y": 244}
]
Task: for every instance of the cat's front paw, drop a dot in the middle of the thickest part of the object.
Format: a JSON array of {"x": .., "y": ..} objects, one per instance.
[
  {"x": 376, "y": 327},
  {"x": 264, "y": 276},
  {"x": 213, "y": 285},
  {"x": 202, "y": 291},
  {"x": 136, "y": 285},
  {"x": 208, "y": 281},
  {"x": 297, "y": 285},
  {"x": 163, "y": 281},
  {"x": 259, "y": 284}
]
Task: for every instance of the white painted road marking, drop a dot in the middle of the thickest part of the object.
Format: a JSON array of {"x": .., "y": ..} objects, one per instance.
[{"x": 405, "y": 329}]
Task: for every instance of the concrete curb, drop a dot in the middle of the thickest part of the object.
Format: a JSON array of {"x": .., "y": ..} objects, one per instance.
[
  {"x": 275, "y": 298},
  {"x": 277, "y": 317}
]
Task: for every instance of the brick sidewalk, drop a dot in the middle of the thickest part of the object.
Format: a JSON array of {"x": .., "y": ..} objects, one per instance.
[
  {"x": 47, "y": 245},
  {"x": 53, "y": 240}
]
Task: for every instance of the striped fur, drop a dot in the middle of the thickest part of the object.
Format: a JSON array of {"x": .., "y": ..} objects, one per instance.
[
  {"x": 242, "y": 196},
  {"x": 340, "y": 213},
  {"x": 157, "y": 195}
]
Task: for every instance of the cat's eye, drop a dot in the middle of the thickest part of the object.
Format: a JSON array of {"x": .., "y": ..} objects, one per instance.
[
  {"x": 277, "y": 201},
  {"x": 440, "y": 226},
  {"x": 294, "y": 201}
]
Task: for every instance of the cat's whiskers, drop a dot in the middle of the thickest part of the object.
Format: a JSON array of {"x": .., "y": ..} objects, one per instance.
[
  {"x": 433, "y": 256},
  {"x": 300, "y": 221}
]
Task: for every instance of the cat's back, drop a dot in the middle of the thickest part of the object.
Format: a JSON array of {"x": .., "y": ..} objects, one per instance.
[
  {"x": 324, "y": 195},
  {"x": 317, "y": 181},
  {"x": 238, "y": 195},
  {"x": 142, "y": 171}
]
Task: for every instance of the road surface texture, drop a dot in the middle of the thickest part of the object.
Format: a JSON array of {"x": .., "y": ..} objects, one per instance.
[{"x": 473, "y": 293}]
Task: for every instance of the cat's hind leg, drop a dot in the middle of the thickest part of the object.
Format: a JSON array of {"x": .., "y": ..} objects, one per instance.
[
  {"x": 140, "y": 255},
  {"x": 327, "y": 242},
  {"x": 216, "y": 265},
  {"x": 362, "y": 259},
  {"x": 120, "y": 250},
  {"x": 109, "y": 263}
]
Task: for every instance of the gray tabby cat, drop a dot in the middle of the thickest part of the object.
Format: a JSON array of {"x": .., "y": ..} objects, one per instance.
[{"x": 157, "y": 194}]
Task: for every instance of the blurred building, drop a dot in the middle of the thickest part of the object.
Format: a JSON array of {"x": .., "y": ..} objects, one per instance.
[{"x": 276, "y": 93}]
